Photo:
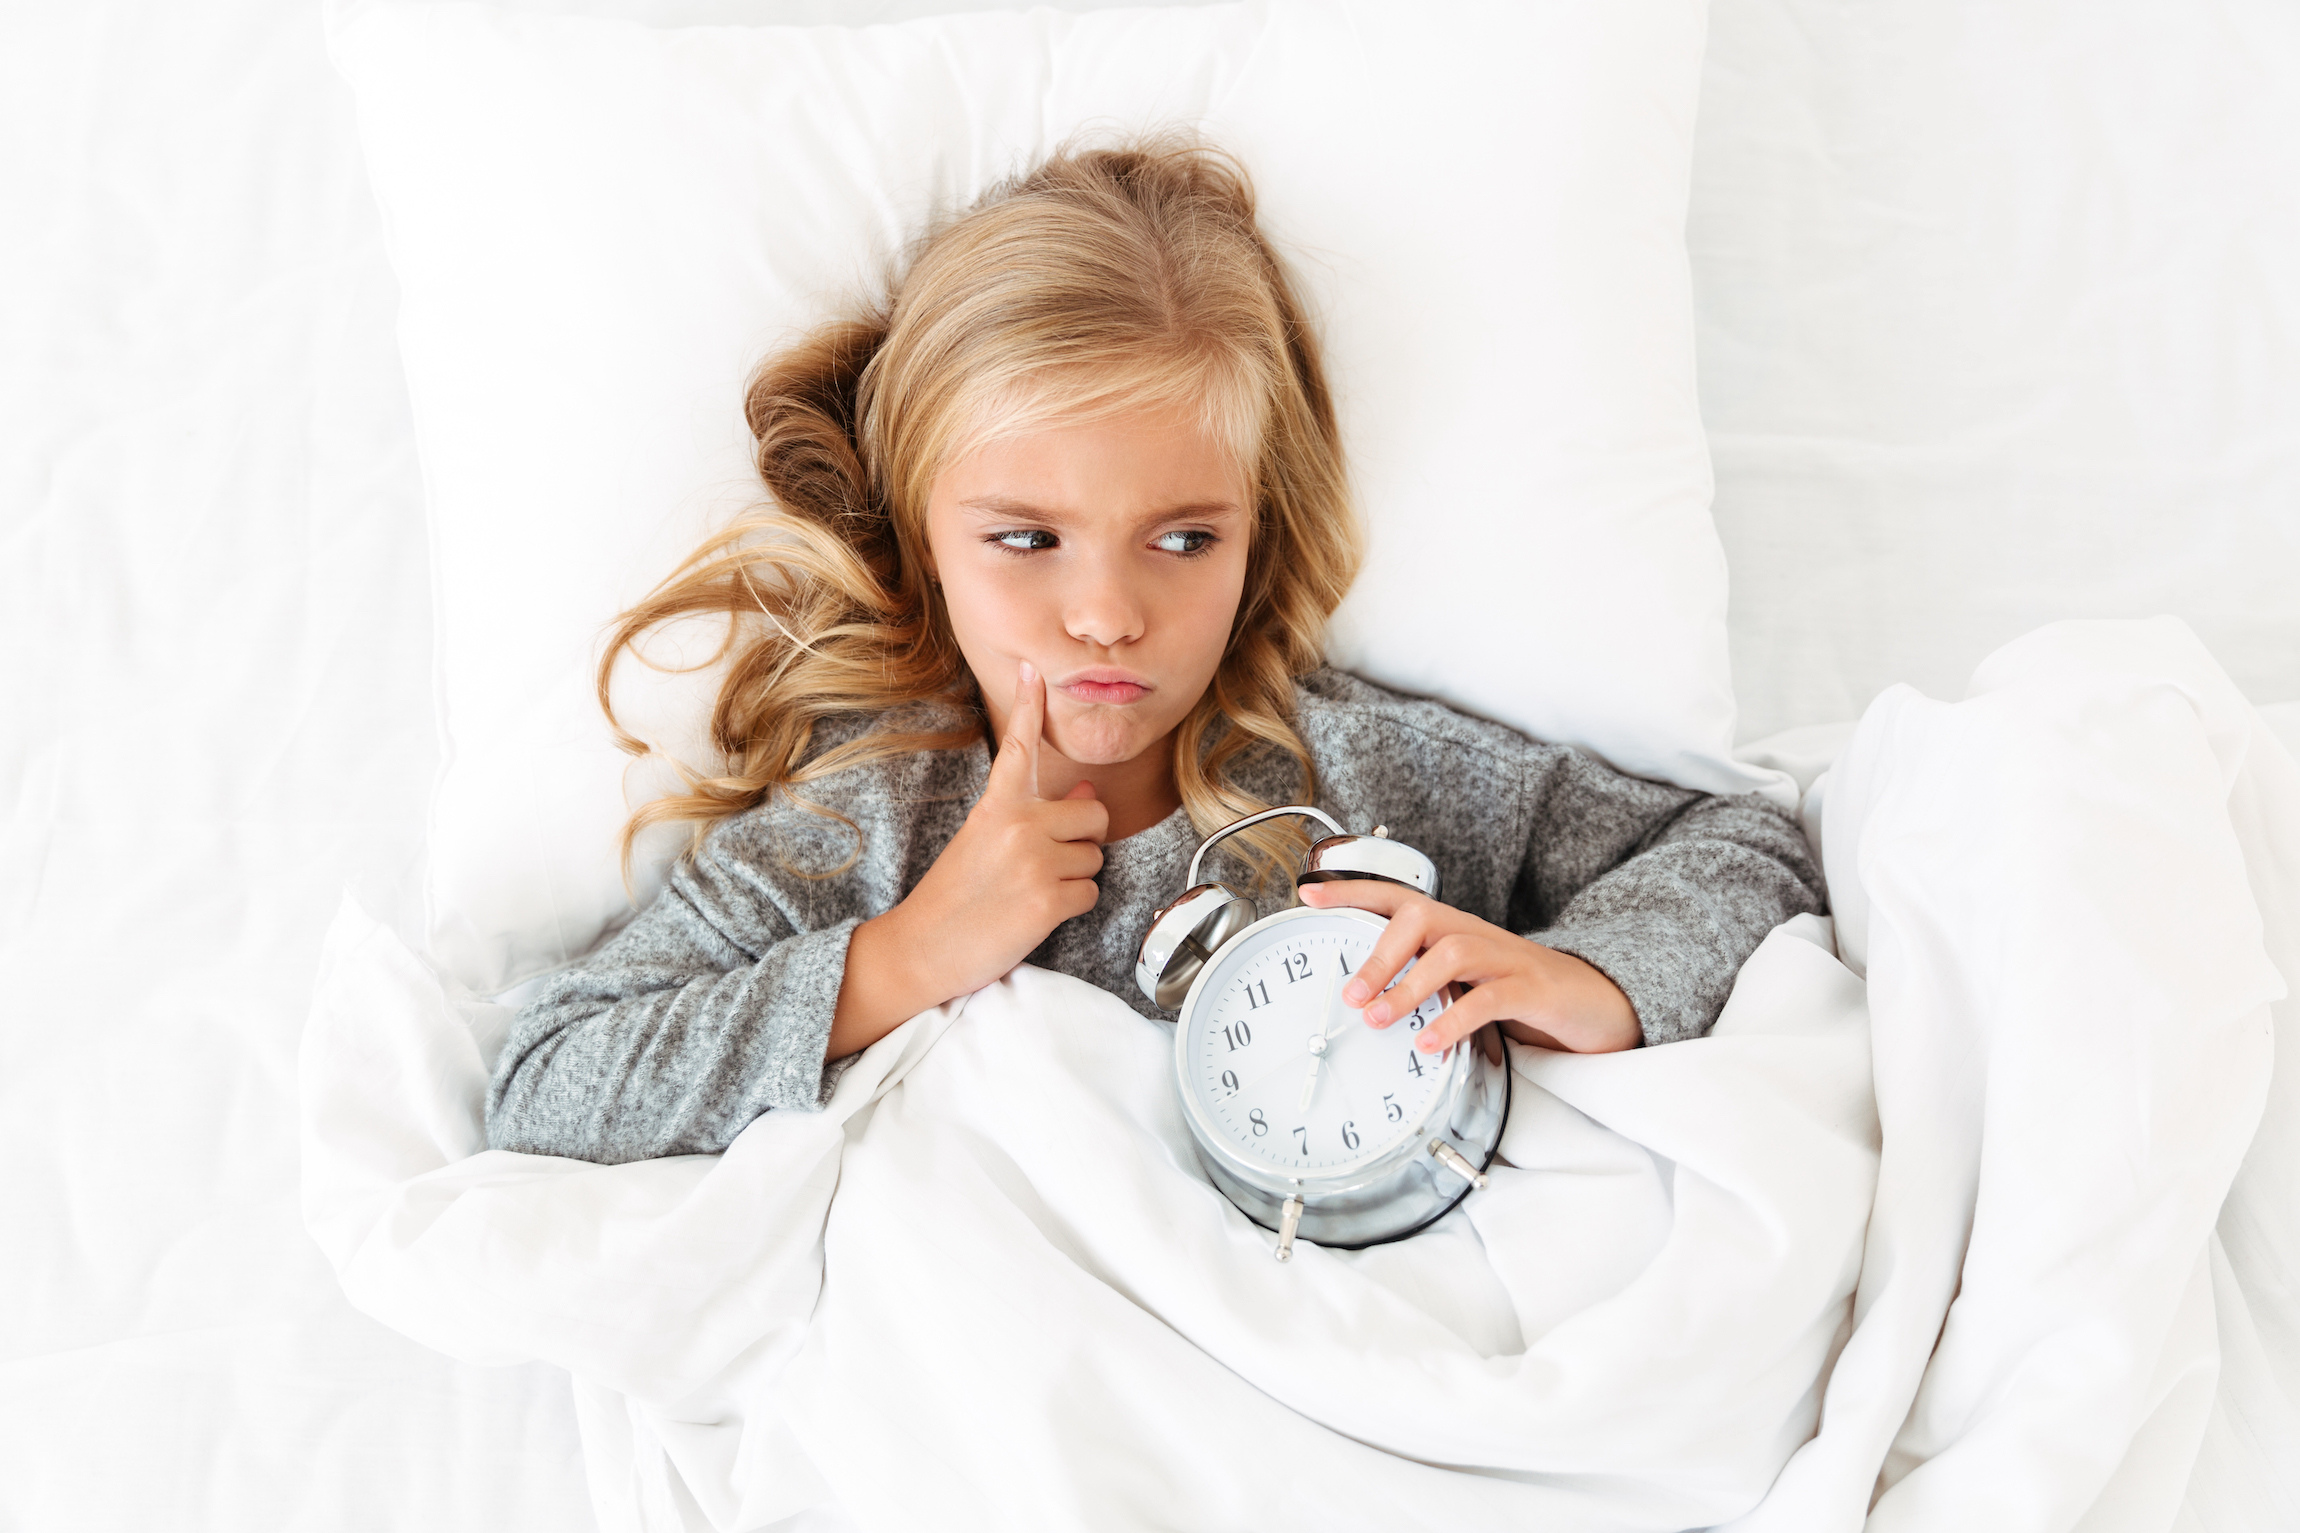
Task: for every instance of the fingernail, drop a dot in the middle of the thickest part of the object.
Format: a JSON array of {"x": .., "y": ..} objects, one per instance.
[
  {"x": 1029, "y": 673},
  {"x": 1355, "y": 992},
  {"x": 1378, "y": 1013},
  {"x": 1427, "y": 1043}
]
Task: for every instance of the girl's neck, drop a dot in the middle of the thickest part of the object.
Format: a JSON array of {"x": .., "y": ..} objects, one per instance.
[{"x": 1139, "y": 793}]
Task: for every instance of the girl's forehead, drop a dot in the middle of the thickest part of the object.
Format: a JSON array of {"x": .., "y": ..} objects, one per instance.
[
  {"x": 1130, "y": 463},
  {"x": 1168, "y": 398}
]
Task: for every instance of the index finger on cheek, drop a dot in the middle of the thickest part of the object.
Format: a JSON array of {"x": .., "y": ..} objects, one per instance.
[{"x": 1015, "y": 771}]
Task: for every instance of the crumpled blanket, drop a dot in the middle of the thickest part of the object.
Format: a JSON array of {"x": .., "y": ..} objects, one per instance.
[{"x": 987, "y": 1286}]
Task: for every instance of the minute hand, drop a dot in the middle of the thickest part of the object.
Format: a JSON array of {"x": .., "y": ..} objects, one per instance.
[{"x": 1326, "y": 1031}]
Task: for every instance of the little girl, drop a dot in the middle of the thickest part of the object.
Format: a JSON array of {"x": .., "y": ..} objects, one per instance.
[{"x": 1076, "y": 488}]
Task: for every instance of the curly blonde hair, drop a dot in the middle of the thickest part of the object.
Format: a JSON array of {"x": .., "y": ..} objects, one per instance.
[{"x": 1104, "y": 280}]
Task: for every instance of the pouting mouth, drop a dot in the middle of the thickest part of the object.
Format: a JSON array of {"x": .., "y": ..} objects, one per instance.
[
  {"x": 1104, "y": 687},
  {"x": 1104, "y": 676}
]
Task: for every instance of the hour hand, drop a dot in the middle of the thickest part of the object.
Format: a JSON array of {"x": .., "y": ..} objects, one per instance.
[{"x": 1310, "y": 1082}]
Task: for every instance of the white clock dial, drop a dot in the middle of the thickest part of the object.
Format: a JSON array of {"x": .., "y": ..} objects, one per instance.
[{"x": 1268, "y": 1014}]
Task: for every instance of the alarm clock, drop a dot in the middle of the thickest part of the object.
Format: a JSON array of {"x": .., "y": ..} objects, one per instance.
[{"x": 1314, "y": 1124}]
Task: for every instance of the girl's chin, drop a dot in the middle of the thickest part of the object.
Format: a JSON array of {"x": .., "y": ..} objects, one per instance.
[{"x": 1098, "y": 739}]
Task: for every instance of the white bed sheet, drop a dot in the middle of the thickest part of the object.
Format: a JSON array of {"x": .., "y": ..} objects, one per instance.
[
  {"x": 212, "y": 586},
  {"x": 212, "y": 591}
]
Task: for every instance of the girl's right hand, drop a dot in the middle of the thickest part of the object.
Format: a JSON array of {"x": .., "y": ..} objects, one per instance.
[{"x": 1019, "y": 867}]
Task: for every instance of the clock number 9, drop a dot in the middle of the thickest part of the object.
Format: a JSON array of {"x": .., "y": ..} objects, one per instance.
[{"x": 1230, "y": 1081}]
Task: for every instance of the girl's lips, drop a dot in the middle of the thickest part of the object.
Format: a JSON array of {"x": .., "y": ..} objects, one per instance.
[{"x": 1104, "y": 691}]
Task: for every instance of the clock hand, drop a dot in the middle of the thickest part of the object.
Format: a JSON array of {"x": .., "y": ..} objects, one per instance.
[
  {"x": 1326, "y": 1031},
  {"x": 1341, "y": 967}
]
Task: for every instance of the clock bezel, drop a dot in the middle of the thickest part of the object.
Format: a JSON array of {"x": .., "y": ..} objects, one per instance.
[{"x": 1413, "y": 1140}]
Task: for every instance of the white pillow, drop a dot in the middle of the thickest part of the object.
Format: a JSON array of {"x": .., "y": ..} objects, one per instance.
[{"x": 600, "y": 227}]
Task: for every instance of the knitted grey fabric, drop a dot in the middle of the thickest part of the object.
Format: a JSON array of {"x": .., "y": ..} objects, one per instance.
[{"x": 714, "y": 1005}]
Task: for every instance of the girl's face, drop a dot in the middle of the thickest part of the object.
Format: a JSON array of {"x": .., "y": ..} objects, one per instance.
[{"x": 1111, "y": 556}]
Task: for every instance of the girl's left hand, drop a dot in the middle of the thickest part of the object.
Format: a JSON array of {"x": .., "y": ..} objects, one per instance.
[{"x": 1539, "y": 996}]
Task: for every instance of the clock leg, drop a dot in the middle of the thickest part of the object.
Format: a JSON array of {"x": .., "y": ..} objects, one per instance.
[
  {"x": 1457, "y": 1163},
  {"x": 1289, "y": 1221}
]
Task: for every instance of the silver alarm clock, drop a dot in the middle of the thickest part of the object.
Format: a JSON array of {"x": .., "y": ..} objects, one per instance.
[{"x": 1314, "y": 1124}]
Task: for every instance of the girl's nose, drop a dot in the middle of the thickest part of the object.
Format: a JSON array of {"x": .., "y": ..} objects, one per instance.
[{"x": 1105, "y": 611}]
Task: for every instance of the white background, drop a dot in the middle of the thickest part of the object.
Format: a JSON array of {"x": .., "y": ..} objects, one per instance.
[{"x": 1999, "y": 316}]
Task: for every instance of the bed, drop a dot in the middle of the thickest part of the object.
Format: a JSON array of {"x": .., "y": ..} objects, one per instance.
[{"x": 1995, "y": 313}]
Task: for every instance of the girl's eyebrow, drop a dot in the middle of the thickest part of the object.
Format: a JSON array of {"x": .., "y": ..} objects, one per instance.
[
  {"x": 1003, "y": 505},
  {"x": 996, "y": 506},
  {"x": 1207, "y": 510}
]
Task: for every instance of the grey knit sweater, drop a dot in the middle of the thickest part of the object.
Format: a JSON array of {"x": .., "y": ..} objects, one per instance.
[{"x": 714, "y": 1005}]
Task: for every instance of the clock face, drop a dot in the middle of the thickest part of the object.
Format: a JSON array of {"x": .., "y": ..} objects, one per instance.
[{"x": 1272, "y": 1005}]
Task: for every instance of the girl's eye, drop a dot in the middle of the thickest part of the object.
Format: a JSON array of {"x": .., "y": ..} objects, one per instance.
[
  {"x": 1025, "y": 540},
  {"x": 1192, "y": 542}
]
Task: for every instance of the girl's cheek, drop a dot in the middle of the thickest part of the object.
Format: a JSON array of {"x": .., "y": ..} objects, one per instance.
[{"x": 992, "y": 610}]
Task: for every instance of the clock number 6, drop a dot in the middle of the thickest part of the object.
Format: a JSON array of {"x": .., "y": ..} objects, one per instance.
[{"x": 1350, "y": 1134}]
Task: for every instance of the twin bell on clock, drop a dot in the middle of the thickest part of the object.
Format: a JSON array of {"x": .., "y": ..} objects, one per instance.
[{"x": 1314, "y": 1124}]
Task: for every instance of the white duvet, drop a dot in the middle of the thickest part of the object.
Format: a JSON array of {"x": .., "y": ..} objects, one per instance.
[{"x": 986, "y": 1287}]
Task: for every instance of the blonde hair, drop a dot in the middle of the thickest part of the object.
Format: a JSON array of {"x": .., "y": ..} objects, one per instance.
[{"x": 1105, "y": 280}]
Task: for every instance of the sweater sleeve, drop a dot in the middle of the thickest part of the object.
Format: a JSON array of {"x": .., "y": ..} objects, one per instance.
[
  {"x": 1665, "y": 890},
  {"x": 709, "y": 1009}
]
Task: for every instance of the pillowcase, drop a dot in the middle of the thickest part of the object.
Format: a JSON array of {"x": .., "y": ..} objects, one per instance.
[{"x": 600, "y": 227}]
